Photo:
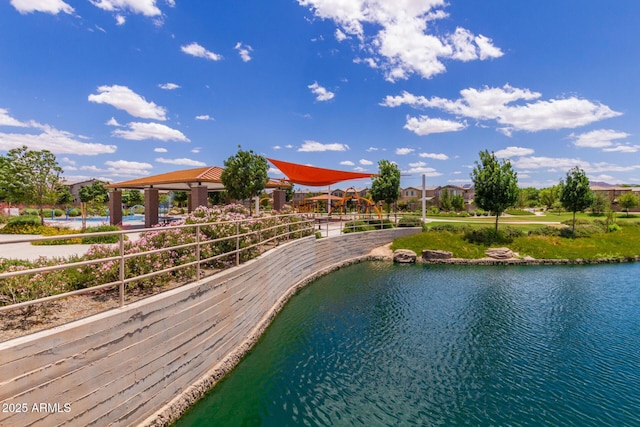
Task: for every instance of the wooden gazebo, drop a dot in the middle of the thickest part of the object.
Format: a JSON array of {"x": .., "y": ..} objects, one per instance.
[{"x": 197, "y": 182}]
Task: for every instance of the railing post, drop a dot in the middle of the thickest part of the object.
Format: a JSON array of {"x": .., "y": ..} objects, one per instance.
[
  {"x": 121, "y": 270},
  {"x": 198, "y": 251},
  {"x": 237, "y": 243}
]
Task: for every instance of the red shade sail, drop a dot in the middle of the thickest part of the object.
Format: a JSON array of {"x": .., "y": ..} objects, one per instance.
[{"x": 316, "y": 177}]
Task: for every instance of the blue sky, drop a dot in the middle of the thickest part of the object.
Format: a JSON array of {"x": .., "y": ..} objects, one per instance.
[{"x": 120, "y": 89}]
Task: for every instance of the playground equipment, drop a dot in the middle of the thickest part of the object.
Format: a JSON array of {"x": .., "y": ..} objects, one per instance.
[
  {"x": 340, "y": 204},
  {"x": 361, "y": 203}
]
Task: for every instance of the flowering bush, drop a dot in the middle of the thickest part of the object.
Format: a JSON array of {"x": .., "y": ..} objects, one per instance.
[{"x": 232, "y": 226}]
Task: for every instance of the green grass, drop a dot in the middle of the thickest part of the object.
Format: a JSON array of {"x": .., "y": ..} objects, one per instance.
[{"x": 623, "y": 243}]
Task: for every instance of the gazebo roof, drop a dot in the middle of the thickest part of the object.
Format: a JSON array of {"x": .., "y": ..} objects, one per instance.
[{"x": 183, "y": 180}]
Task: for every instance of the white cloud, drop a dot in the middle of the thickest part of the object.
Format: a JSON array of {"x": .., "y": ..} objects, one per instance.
[
  {"x": 535, "y": 162},
  {"x": 510, "y": 152},
  {"x": 196, "y": 150},
  {"x": 143, "y": 7},
  {"x": 365, "y": 162},
  {"x": 291, "y": 146},
  {"x": 430, "y": 172},
  {"x": 601, "y": 138},
  {"x": 205, "y": 117},
  {"x": 498, "y": 104},
  {"x": 397, "y": 36},
  {"x": 425, "y": 125},
  {"x": 68, "y": 160},
  {"x": 141, "y": 131},
  {"x": 564, "y": 164},
  {"x": 417, "y": 164},
  {"x": 169, "y": 86},
  {"x": 340, "y": 36},
  {"x": 54, "y": 140},
  {"x": 7, "y": 120},
  {"x": 181, "y": 162},
  {"x": 120, "y": 20},
  {"x": 160, "y": 150},
  {"x": 321, "y": 93},
  {"x": 112, "y": 122},
  {"x": 276, "y": 147},
  {"x": 123, "y": 98},
  {"x": 194, "y": 49},
  {"x": 347, "y": 163},
  {"x": 125, "y": 168},
  {"x": 46, "y": 6},
  {"x": 404, "y": 151},
  {"x": 435, "y": 156},
  {"x": 370, "y": 149},
  {"x": 622, "y": 149},
  {"x": 317, "y": 146},
  {"x": 244, "y": 51},
  {"x": 359, "y": 169}
]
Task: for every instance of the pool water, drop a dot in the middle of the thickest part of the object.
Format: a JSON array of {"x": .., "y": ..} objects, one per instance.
[{"x": 381, "y": 344}]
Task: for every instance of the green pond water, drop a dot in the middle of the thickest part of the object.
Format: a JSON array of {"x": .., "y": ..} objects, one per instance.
[{"x": 379, "y": 344}]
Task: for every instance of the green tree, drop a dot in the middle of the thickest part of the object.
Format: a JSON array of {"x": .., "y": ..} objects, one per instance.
[
  {"x": 386, "y": 186},
  {"x": 245, "y": 175},
  {"x": 528, "y": 198},
  {"x": 496, "y": 184},
  {"x": 457, "y": 202},
  {"x": 575, "y": 194},
  {"x": 30, "y": 177},
  {"x": 65, "y": 197},
  {"x": 289, "y": 192},
  {"x": 600, "y": 203},
  {"x": 627, "y": 201},
  {"x": 549, "y": 196},
  {"x": 444, "y": 200},
  {"x": 180, "y": 198},
  {"x": 95, "y": 195},
  {"x": 132, "y": 197}
]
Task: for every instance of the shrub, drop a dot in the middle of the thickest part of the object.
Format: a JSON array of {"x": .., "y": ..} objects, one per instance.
[
  {"x": 101, "y": 239},
  {"x": 545, "y": 231},
  {"x": 488, "y": 236},
  {"x": 23, "y": 224},
  {"x": 410, "y": 221},
  {"x": 452, "y": 228},
  {"x": 614, "y": 227},
  {"x": 356, "y": 226},
  {"x": 518, "y": 212},
  {"x": 30, "y": 212},
  {"x": 75, "y": 212},
  {"x": 56, "y": 231}
]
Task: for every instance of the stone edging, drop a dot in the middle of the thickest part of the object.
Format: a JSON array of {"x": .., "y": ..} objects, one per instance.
[
  {"x": 530, "y": 261},
  {"x": 178, "y": 406}
]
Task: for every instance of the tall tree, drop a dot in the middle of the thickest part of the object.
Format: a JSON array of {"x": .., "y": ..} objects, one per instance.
[
  {"x": 94, "y": 194},
  {"x": 386, "y": 186},
  {"x": 600, "y": 203},
  {"x": 627, "y": 201},
  {"x": 444, "y": 200},
  {"x": 30, "y": 177},
  {"x": 245, "y": 175},
  {"x": 549, "y": 196},
  {"x": 575, "y": 194},
  {"x": 496, "y": 184},
  {"x": 457, "y": 202}
]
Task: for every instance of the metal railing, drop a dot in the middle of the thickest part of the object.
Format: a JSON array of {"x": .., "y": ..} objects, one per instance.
[{"x": 270, "y": 230}]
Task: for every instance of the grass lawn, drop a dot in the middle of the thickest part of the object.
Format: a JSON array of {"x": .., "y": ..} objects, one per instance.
[{"x": 622, "y": 243}]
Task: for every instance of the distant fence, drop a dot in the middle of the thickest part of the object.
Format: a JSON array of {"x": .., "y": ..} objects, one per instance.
[{"x": 247, "y": 236}]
